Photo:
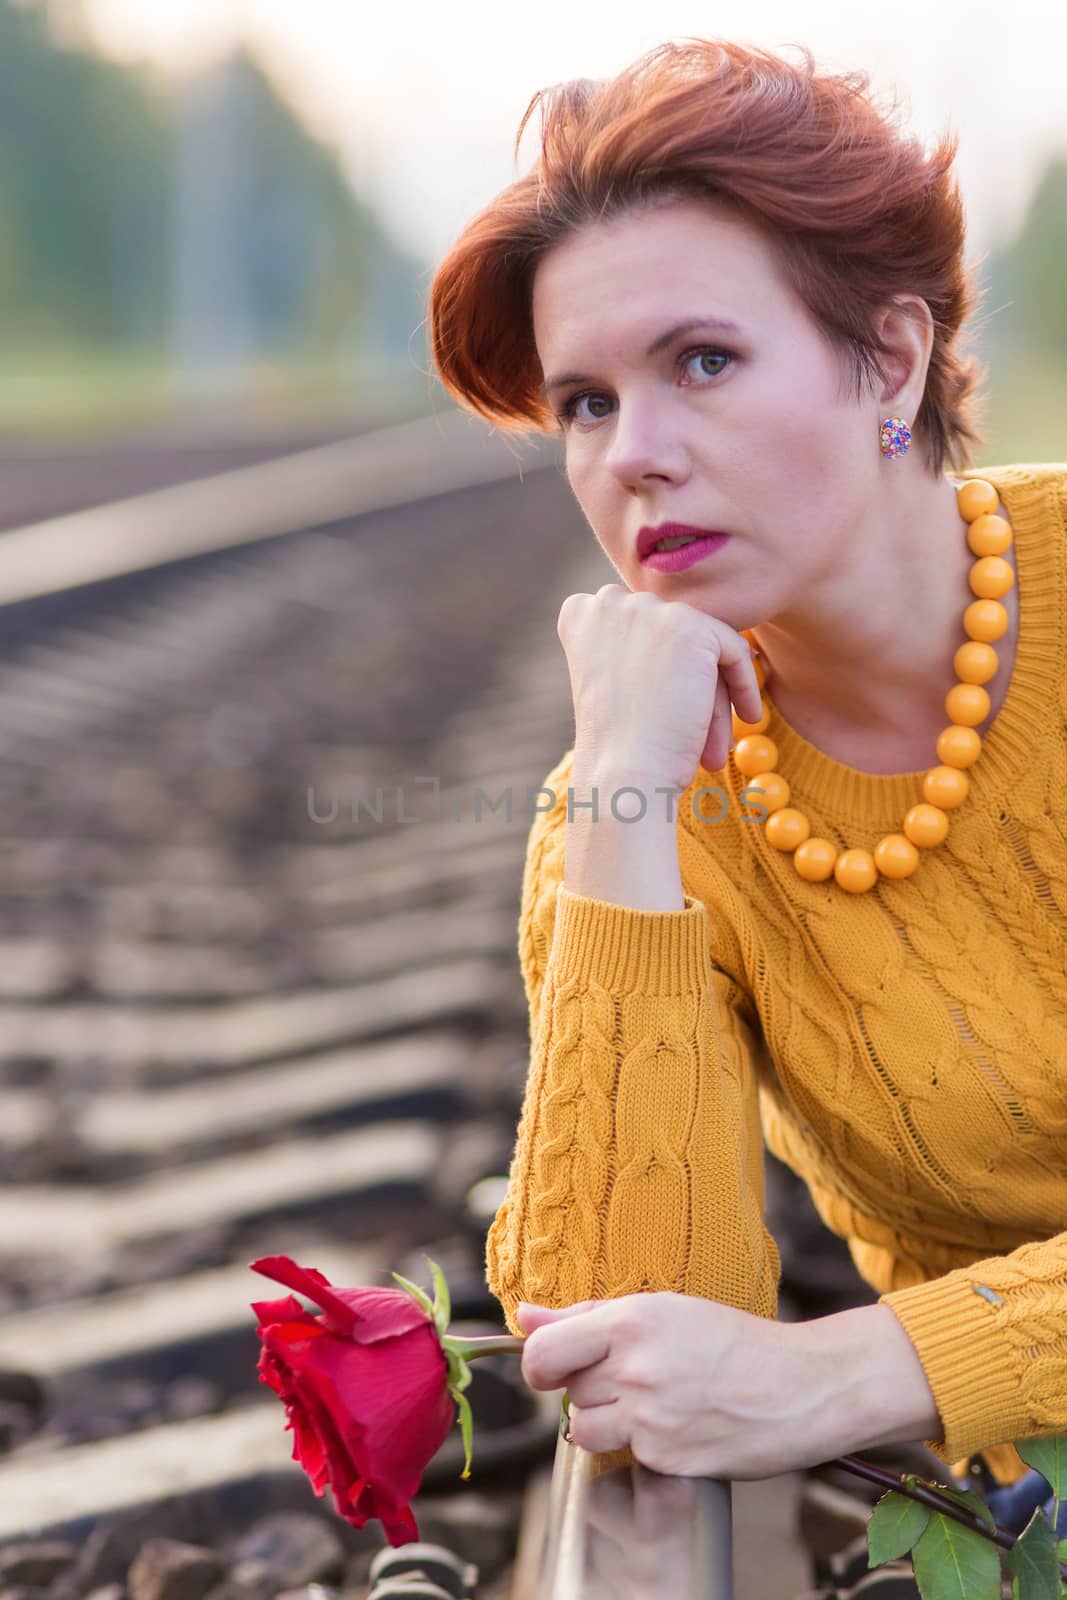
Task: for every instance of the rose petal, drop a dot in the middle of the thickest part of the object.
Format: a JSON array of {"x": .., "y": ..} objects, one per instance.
[
  {"x": 310, "y": 1281},
  {"x": 393, "y": 1397},
  {"x": 287, "y": 1309},
  {"x": 384, "y": 1313}
]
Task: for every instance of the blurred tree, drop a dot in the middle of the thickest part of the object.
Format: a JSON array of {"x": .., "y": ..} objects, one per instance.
[
  {"x": 83, "y": 147},
  {"x": 130, "y": 205},
  {"x": 1037, "y": 262},
  {"x": 1027, "y": 279},
  {"x": 1021, "y": 330},
  {"x": 275, "y": 248}
]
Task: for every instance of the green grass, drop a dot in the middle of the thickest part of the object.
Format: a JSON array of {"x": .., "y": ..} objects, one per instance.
[{"x": 87, "y": 392}]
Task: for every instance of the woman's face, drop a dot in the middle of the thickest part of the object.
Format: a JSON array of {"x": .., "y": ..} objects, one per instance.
[{"x": 748, "y": 430}]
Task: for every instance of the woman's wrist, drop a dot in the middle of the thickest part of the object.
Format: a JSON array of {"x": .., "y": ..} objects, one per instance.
[
  {"x": 623, "y": 851},
  {"x": 632, "y": 864},
  {"x": 874, "y": 1388}
]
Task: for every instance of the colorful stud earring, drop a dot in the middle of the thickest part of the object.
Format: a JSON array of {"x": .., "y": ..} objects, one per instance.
[{"x": 895, "y": 437}]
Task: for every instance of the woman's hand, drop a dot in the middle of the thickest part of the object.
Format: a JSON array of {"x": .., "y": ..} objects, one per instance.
[
  {"x": 695, "y": 1388},
  {"x": 652, "y": 681}
]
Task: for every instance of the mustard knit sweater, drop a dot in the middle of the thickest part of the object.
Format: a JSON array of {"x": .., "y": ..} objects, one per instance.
[{"x": 904, "y": 1050}]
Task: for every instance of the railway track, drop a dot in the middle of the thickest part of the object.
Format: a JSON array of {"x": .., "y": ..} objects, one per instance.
[
  {"x": 50, "y": 477},
  {"x": 230, "y": 1029}
]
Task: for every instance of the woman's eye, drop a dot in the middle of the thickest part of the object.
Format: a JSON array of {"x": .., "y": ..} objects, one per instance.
[
  {"x": 569, "y": 411},
  {"x": 716, "y": 355}
]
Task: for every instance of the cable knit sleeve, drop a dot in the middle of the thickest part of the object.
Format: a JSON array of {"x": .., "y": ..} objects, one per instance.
[
  {"x": 638, "y": 1162},
  {"x": 992, "y": 1341}
]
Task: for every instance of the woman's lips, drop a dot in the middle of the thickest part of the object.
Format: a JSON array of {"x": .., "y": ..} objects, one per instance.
[
  {"x": 649, "y": 536},
  {"x": 685, "y": 555}
]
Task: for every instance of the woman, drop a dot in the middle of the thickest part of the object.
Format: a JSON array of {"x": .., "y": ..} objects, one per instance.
[{"x": 823, "y": 892}]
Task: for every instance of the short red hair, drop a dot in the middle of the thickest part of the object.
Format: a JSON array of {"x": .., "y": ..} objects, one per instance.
[{"x": 856, "y": 211}]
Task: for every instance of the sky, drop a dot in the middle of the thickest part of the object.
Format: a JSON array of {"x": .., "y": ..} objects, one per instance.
[{"x": 423, "y": 100}]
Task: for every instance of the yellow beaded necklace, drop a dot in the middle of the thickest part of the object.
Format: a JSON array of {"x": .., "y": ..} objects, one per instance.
[{"x": 958, "y": 746}]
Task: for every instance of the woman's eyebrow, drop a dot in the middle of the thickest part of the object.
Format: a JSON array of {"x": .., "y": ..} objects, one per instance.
[{"x": 660, "y": 342}]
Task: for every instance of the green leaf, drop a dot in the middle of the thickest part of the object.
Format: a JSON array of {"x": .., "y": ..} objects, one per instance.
[
  {"x": 459, "y": 1372},
  {"x": 970, "y": 1501},
  {"x": 1062, "y": 1549},
  {"x": 467, "y": 1429},
  {"x": 895, "y": 1524},
  {"x": 1049, "y": 1456},
  {"x": 1032, "y": 1561},
  {"x": 952, "y": 1562},
  {"x": 442, "y": 1303},
  {"x": 420, "y": 1294}
]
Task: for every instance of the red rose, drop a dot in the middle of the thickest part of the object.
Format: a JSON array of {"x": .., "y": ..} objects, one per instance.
[{"x": 365, "y": 1386}]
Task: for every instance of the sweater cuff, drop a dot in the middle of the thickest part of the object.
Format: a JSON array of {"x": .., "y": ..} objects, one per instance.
[
  {"x": 629, "y": 951},
  {"x": 968, "y": 1363}
]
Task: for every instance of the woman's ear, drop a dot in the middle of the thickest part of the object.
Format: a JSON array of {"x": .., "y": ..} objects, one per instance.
[{"x": 906, "y": 325}]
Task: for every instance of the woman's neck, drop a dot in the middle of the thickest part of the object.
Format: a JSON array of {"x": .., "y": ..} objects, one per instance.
[{"x": 872, "y": 646}]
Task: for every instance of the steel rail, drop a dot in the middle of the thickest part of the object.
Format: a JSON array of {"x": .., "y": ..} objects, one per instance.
[
  {"x": 622, "y": 1532},
  {"x": 391, "y": 466}
]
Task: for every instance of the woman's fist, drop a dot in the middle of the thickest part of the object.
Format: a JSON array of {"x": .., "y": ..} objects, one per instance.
[{"x": 652, "y": 682}]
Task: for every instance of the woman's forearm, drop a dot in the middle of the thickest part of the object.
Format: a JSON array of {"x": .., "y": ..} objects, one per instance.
[{"x": 866, "y": 1368}]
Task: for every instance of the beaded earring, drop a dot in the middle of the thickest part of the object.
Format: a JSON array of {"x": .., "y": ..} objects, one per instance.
[{"x": 895, "y": 437}]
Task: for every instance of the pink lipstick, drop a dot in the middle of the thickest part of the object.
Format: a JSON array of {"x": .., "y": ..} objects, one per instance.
[{"x": 686, "y": 555}]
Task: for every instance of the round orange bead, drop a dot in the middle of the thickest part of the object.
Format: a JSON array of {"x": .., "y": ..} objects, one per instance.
[
  {"x": 959, "y": 747},
  {"x": 989, "y": 536},
  {"x": 968, "y": 704},
  {"x": 742, "y": 729},
  {"x": 787, "y": 828},
  {"x": 814, "y": 859},
  {"x": 991, "y": 576},
  {"x": 773, "y": 791},
  {"x": 755, "y": 754},
  {"x": 895, "y": 856},
  {"x": 985, "y": 620},
  {"x": 928, "y": 825},
  {"x": 976, "y": 498},
  {"x": 855, "y": 871},
  {"x": 945, "y": 787},
  {"x": 975, "y": 663}
]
